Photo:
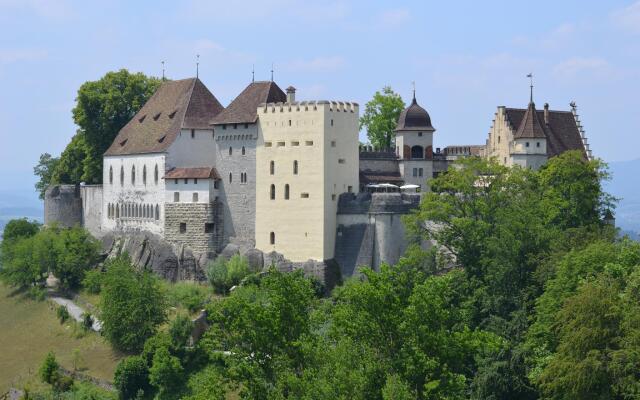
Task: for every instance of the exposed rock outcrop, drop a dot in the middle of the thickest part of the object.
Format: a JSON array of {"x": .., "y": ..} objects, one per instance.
[{"x": 151, "y": 252}]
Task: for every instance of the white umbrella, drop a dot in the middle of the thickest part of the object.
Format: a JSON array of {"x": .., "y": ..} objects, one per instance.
[
  {"x": 403, "y": 187},
  {"x": 373, "y": 185},
  {"x": 387, "y": 185}
]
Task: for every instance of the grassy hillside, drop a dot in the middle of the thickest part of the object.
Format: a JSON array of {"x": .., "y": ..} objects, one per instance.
[{"x": 30, "y": 329}]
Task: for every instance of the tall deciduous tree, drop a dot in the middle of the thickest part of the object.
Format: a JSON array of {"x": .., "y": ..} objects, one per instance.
[
  {"x": 45, "y": 171},
  {"x": 381, "y": 116},
  {"x": 132, "y": 305}
]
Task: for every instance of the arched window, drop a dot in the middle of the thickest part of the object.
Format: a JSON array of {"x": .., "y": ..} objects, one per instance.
[
  {"x": 155, "y": 175},
  {"x": 157, "y": 212},
  {"x": 286, "y": 191},
  {"x": 111, "y": 175},
  {"x": 417, "y": 152},
  {"x": 121, "y": 176},
  {"x": 117, "y": 210},
  {"x": 133, "y": 175},
  {"x": 272, "y": 238},
  {"x": 230, "y": 150},
  {"x": 272, "y": 167},
  {"x": 243, "y": 150},
  {"x": 144, "y": 174},
  {"x": 230, "y": 177},
  {"x": 273, "y": 192},
  {"x": 295, "y": 167}
]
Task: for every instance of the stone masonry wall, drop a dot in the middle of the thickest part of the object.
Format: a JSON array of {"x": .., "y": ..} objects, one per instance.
[
  {"x": 63, "y": 205},
  {"x": 195, "y": 216}
]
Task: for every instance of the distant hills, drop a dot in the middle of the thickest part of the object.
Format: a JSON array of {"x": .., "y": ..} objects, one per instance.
[
  {"x": 19, "y": 204},
  {"x": 626, "y": 186}
]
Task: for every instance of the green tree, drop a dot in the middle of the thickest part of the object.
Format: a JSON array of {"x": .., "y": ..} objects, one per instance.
[
  {"x": 166, "y": 374},
  {"x": 261, "y": 327},
  {"x": 207, "y": 384},
  {"x": 131, "y": 376},
  {"x": 132, "y": 305},
  {"x": 76, "y": 252},
  {"x": 381, "y": 116},
  {"x": 19, "y": 229},
  {"x": 50, "y": 369},
  {"x": 102, "y": 108},
  {"x": 45, "y": 171},
  {"x": 70, "y": 166},
  {"x": 572, "y": 191}
]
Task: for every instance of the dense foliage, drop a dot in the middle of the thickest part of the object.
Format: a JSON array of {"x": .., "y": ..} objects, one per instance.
[
  {"x": 381, "y": 116},
  {"x": 132, "y": 306},
  {"x": 27, "y": 257},
  {"x": 223, "y": 274},
  {"x": 102, "y": 108}
]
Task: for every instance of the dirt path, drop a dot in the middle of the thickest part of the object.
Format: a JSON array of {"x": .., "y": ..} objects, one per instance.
[{"x": 76, "y": 311}]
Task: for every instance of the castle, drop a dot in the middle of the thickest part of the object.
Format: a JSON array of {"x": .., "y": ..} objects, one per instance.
[{"x": 284, "y": 177}]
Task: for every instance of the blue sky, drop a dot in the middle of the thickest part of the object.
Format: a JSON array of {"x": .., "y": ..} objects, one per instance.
[{"x": 467, "y": 57}]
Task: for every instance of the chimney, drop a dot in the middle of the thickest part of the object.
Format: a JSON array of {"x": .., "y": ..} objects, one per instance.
[
  {"x": 546, "y": 113},
  {"x": 291, "y": 94}
]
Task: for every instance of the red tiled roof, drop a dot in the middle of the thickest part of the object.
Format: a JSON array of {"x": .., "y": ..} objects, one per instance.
[
  {"x": 181, "y": 104},
  {"x": 197, "y": 172}
]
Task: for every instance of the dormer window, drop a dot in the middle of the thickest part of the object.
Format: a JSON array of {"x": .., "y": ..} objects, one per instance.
[
  {"x": 141, "y": 119},
  {"x": 155, "y": 117},
  {"x": 123, "y": 142},
  {"x": 173, "y": 114}
]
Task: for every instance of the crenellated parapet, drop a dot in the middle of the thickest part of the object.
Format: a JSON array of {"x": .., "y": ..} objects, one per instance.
[{"x": 312, "y": 105}]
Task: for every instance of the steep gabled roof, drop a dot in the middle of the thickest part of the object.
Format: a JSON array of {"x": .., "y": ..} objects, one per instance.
[
  {"x": 243, "y": 109},
  {"x": 561, "y": 130},
  {"x": 530, "y": 127},
  {"x": 181, "y": 104}
]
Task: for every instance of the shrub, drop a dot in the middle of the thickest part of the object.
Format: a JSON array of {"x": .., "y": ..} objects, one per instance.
[
  {"x": 189, "y": 295},
  {"x": 223, "y": 274},
  {"x": 50, "y": 369},
  {"x": 237, "y": 269},
  {"x": 87, "y": 321},
  {"x": 180, "y": 333},
  {"x": 131, "y": 376},
  {"x": 76, "y": 251},
  {"x": 166, "y": 373},
  {"x": 62, "y": 313},
  {"x": 37, "y": 293},
  {"x": 217, "y": 275},
  {"x": 93, "y": 281}
]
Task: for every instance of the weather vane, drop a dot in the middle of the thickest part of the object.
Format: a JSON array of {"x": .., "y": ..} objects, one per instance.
[
  {"x": 530, "y": 76},
  {"x": 197, "y": 64},
  {"x": 271, "y": 72}
]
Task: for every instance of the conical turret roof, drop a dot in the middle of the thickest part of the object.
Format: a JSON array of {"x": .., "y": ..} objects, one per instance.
[{"x": 530, "y": 127}]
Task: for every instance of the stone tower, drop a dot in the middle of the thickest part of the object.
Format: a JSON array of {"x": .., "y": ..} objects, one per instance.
[{"x": 414, "y": 144}]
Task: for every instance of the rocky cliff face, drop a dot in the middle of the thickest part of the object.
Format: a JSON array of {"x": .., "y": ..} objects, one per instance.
[
  {"x": 151, "y": 252},
  {"x": 177, "y": 262}
]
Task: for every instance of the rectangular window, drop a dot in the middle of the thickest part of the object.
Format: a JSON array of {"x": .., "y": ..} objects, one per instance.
[
  {"x": 304, "y": 195},
  {"x": 183, "y": 227},
  {"x": 420, "y": 171},
  {"x": 415, "y": 172},
  {"x": 267, "y": 144},
  {"x": 175, "y": 181},
  {"x": 216, "y": 185},
  {"x": 527, "y": 144},
  {"x": 341, "y": 161},
  {"x": 235, "y": 126},
  {"x": 195, "y": 180},
  {"x": 195, "y": 197},
  {"x": 309, "y": 143},
  {"x": 420, "y": 134},
  {"x": 349, "y": 189},
  {"x": 331, "y": 122},
  {"x": 333, "y": 143},
  {"x": 176, "y": 197},
  {"x": 186, "y": 180},
  {"x": 537, "y": 144},
  {"x": 208, "y": 227},
  {"x": 224, "y": 127},
  {"x": 295, "y": 143},
  {"x": 333, "y": 197},
  {"x": 280, "y": 144},
  {"x": 246, "y": 126}
]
